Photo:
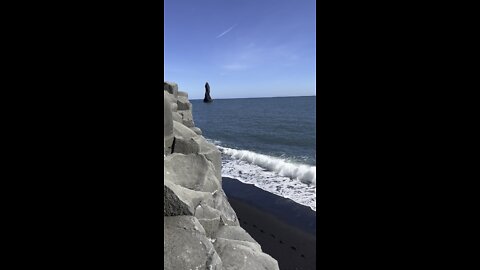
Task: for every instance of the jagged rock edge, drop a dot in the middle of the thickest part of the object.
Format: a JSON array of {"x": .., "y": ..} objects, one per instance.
[{"x": 171, "y": 94}]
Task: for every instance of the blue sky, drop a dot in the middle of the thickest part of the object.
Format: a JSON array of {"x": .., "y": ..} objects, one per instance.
[{"x": 243, "y": 48}]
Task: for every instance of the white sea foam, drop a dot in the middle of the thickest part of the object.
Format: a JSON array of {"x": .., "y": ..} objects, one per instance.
[
  {"x": 304, "y": 173},
  {"x": 275, "y": 175}
]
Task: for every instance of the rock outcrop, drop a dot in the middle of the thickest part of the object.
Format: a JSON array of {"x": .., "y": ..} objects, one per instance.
[
  {"x": 207, "y": 98},
  {"x": 200, "y": 227}
]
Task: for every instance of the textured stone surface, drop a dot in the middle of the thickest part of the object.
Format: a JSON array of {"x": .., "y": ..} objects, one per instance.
[
  {"x": 209, "y": 217},
  {"x": 197, "y": 130},
  {"x": 171, "y": 88},
  {"x": 192, "y": 171},
  {"x": 221, "y": 203},
  {"x": 252, "y": 245},
  {"x": 190, "y": 198},
  {"x": 180, "y": 130},
  {"x": 185, "y": 245},
  {"x": 187, "y": 118},
  {"x": 234, "y": 233},
  {"x": 185, "y": 146},
  {"x": 167, "y": 126},
  {"x": 174, "y": 206},
  {"x": 240, "y": 256},
  {"x": 183, "y": 103},
  {"x": 212, "y": 154},
  {"x": 196, "y": 210},
  {"x": 177, "y": 117}
]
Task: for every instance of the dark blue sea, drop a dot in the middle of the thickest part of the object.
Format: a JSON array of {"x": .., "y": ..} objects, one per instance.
[{"x": 267, "y": 142}]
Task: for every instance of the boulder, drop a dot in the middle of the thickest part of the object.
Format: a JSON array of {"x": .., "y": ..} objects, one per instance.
[
  {"x": 185, "y": 146},
  {"x": 180, "y": 130},
  {"x": 240, "y": 256},
  {"x": 212, "y": 153},
  {"x": 253, "y": 245},
  {"x": 187, "y": 118},
  {"x": 171, "y": 88},
  {"x": 220, "y": 202},
  {"x": 234, "y": 233},
  {"x": 196, "y": 130},
  {"x": 172, "y": 100},
  {"x": 174, "y": 107},
  {"x": 189, "y": 198},
  {"x": 209, "y": 217},
  {"x": 177, "y": 117},
  {"x": 174, "y": 206},
  {"x": 185, "y": 245},
  {"x": 183, "y": 104},
  {"x": 192, "y": 171}
]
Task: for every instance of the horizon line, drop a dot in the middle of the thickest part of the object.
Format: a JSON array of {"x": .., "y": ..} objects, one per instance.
[{"x": 255, "y": 97}]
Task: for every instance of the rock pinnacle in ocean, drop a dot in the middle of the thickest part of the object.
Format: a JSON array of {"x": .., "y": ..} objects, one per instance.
[{"x": 207, "y": 98}]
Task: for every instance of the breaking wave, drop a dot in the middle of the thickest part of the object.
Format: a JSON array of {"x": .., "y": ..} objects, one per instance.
[{"x": 304, "y": 173}]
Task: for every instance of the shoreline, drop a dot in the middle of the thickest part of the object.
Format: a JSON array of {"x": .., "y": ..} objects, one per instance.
[
  {"x": 284, "y": 229},
  {"x": 300, "y": 216}
]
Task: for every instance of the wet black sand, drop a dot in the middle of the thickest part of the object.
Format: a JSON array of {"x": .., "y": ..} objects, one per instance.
[{"x": 285, "y": 230}]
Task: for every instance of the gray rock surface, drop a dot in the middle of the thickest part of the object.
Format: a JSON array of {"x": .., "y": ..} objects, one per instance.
[
  {"x": 186, "y": 146},
  {"x": 183, "y": 103},
  {"x": 174, "y": 206},
  {"x": 197, "y": 130},
  {"x": 201, "y": 229},
  {"x": 185, "y": 245},
  {"x": 171, "y": 88},
  {"x": 239, "y": 256},
  {"x": 167, "y": 126}
]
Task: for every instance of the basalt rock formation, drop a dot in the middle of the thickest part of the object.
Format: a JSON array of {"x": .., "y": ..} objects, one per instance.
[
  {"x": 200, "y": 227},
  {"x": 207, "y": 98}
]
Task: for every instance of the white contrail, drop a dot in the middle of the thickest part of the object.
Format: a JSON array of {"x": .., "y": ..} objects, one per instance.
[{"x": 224, "y": 33}]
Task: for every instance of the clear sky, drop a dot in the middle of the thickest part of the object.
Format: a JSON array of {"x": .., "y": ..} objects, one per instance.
[{"x": 243, "y": 48}]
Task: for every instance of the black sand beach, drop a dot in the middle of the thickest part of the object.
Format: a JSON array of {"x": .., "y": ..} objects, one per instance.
[{"x": 285, "y": 230}]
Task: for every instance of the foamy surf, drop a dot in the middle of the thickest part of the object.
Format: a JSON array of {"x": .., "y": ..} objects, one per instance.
[
  {"x": 301, "y": 172},
  {"x": 275, "y": 175}
]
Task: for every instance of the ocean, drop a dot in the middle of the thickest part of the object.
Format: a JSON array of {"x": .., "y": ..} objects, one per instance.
[{"x": 267, "y": 142}]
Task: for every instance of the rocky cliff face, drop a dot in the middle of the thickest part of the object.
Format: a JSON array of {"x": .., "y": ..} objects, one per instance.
[{"x": 200, "y": 227}]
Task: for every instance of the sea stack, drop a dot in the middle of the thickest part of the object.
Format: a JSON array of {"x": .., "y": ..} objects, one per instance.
[
  {"x": 201, "y": 230},
  {"x": 207, "y": 98}
]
